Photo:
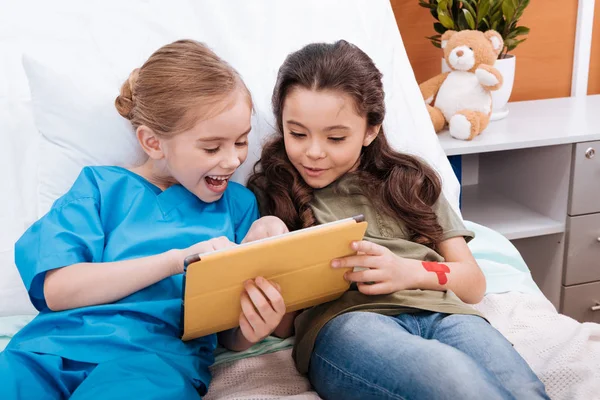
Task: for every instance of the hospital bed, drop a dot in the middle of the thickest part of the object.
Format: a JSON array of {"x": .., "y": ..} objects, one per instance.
[{"x": 61, "y": 66}]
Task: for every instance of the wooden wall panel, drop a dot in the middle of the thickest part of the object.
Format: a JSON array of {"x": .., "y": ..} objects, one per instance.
[
  {"x": 594, "y": 77},
  {"x": 544, "y": 61}
]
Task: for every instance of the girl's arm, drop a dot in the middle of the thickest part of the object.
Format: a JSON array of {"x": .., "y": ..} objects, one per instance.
[
  {"x": 388, "y": 273},
  {"x": 263, "y": 308},
  {"x": 286, "y": 326},
  {"x": 87, "y": 284},
  {"x": 234, "y": 339}
]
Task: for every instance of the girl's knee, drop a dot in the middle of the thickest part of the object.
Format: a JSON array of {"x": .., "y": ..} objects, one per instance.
[
  {"x": 465, "y": 324},
  {"x": 357, "y": 322},
  {"x": 355, "y": 327}
]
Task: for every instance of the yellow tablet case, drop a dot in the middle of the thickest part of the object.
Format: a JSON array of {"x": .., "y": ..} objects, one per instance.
[{"x": 299, "y": 261}]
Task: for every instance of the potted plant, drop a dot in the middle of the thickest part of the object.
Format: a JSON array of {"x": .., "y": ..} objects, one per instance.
[{"x": 499, "y": 15}]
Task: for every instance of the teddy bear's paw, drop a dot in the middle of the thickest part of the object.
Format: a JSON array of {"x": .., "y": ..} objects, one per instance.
[
  {"x": 486, "y": 78},
  {"x": 460, "y": 127}
]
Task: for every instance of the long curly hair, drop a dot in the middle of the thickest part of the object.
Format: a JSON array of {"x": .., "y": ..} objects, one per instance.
[{"x": 401, "y": 185}]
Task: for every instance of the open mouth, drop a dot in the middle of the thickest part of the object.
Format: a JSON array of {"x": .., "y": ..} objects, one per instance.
[{"x": 217, "y": 183}]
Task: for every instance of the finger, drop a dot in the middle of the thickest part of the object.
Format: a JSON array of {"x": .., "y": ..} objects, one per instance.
[
  {"x": 256, "y": 232},
  {"x": 222, "y": 242},
  {"x": 283, "y": 228},
  {"x": 370, "y": 275},
  {"x": 367, "y": 261},
  {"x": 247, "y": 329},
  {"x": 262, "y": 305},
  {"x": 272, "y": 294},
  {"x": 204, "y": 247},
  {"x": 249, "y": 238},
  {"x": 275, "y": 226},
  {"x": 280, "y": 228},
  {"x": 368, "y": 248},
  {"x": 251, "y": 314},
  {"x": 375, "y": 289}
]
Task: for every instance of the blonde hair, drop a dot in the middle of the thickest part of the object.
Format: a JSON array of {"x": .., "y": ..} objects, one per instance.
[{"x": 178, "y": 85}]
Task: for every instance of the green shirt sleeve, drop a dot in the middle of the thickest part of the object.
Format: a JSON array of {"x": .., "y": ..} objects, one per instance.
[{"x": 451, "y": 223}]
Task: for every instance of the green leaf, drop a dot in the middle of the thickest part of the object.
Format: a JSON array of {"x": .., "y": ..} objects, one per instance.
[
  {"x": 469, "y": 18},
  {"x": 435, "y": 40},
  {"x": 482, "y": 10},
  {"x": 495, "y": 6},
  {"x": 433, "y": 12},
  {"x": 518, "y": 31},
  {"x": 468, "y": 6},
  {"x": 496, "y": 18},
  {"x": 439, "y": 28},
  {"x": 426, "y": 5},
  {"x": 445, "y": 19},
  {"x": 485, "y": 21},
  {"x": 508, "y": 10},
  {"x": 514, "y": 44},
  {"x": 522, "y": 4},
  {"x": 461, "y": 22}
]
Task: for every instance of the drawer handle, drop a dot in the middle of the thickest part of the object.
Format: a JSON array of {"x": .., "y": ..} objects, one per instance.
[
  {"x": 590, "y": 153},
  {"x": 596, "y": 307}
]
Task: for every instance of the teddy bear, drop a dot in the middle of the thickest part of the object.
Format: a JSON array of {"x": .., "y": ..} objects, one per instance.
[{"x": 462, "y": 97}]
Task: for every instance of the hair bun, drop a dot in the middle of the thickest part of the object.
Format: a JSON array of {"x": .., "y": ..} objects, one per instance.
[{"x": 125, "y": 101}]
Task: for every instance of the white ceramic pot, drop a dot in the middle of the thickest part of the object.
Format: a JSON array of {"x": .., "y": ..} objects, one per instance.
[{"x": 500, "y": 97}]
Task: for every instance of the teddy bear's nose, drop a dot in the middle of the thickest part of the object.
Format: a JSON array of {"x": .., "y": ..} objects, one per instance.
[{"x": 460, "y": 53}]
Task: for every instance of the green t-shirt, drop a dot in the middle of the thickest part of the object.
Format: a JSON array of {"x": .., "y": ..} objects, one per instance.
[{"x": 342, "y": 199}]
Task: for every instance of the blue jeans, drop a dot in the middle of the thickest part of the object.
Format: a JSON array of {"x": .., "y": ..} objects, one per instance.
[{"x": 425, "y": 355}]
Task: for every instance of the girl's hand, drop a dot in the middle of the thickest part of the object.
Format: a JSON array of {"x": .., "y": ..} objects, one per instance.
[
  {"x": 201, "y": 247},
  {"x": 265, "y": 227},
  {"x": 387, "y": 273},
  {"x": 262, "y": 309}
]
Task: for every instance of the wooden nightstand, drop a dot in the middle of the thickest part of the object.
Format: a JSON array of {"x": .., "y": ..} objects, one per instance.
[{"x": 535, "y": 177}]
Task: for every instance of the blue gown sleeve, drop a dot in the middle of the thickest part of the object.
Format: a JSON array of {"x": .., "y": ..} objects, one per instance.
[
  {"x": 247, "y": 213},
  {"x": 70, "y": 233}
]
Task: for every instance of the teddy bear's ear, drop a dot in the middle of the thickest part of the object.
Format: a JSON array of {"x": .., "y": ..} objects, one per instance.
[
  {"x": 496, "y": 39},
  {"x": 446, "y": 36}
]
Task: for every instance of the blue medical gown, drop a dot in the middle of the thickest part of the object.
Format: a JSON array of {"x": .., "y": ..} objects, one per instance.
[{"x": 112, "y": 214}]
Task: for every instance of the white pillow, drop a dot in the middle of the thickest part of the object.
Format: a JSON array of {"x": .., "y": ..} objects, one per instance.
[{"x": 79, "y": 126}]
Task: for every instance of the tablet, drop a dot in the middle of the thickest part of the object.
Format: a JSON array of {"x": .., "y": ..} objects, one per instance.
[{"x": 299, "y": 261}]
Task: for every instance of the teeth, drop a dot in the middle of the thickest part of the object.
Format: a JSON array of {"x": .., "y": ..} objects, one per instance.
[{"x": 219, "y": 178}]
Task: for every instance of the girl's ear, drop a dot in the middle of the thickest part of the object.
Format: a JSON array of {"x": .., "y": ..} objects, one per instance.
[
  {"x": 150, "y": 142},
  {"x": 372, "y": 132}
]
